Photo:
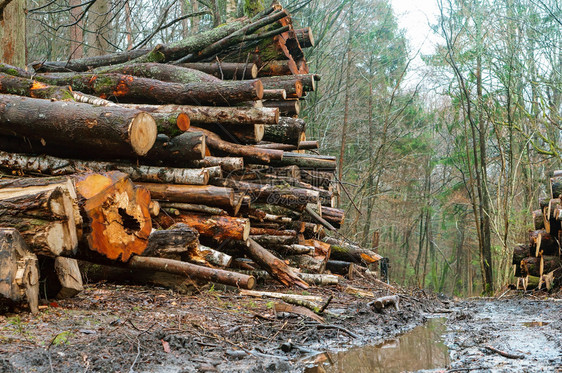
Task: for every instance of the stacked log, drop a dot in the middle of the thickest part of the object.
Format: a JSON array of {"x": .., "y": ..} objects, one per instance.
[
  {"x": 212, "y": 172},
  {"x": 540, "y": 262}
]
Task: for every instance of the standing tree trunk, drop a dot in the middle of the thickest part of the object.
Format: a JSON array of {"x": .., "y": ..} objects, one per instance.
[
  {"x": 76, "y": 30},
  {"x": 12, "y": 32}
]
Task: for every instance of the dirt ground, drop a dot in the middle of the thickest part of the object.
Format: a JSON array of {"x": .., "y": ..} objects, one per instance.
[{"x": 126, "y": 328}]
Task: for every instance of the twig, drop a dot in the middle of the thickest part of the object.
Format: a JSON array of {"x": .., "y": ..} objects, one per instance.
[
  {"x": 330, "y": 326},
  {"x": 504, "y": 354},
  {"x": 136, "y": 357},
  {"x": 321, "y": 310}
]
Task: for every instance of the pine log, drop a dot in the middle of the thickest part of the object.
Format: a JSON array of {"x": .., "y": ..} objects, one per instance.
[
  {"x": 49, "y": 165},
  {"x": 288, "y": 107},
  {"x": 544, "y": 242},
  {"x": 279, "y": 67},
  {"x": 192, "y": 271},
  {"x": 19, "y": 274},
  {"x": 225, "y": 70},
  {"x": 31, "y": 88},
  {"x": 305, "y": 37},
  {"x": 351, "y": 253},
  {"x": 520, "y": 252},
  {"x": 307, "y": 161},
  {"x": 82, "y": 128},
  {"x": 45, "y": 212},
  {"x": 193, "y": 207},
  {"x": 274, "y": 266},
  {"x": 538, "y": 219},
  {"x": 274, "y": 94},
  {"x": 227, "y": 164},
  {"x": 178, "y": 150},
  {"x": 287, "y": 131},
  {"x": 203, "y": 195},
  {"x": 219, "y": 228},
  {"x": 199, "y": 115},
  {"x": 116, "y": 213},
  {"x": 250, "y": 153},
  {"x": 272, "y": 194},
  {"x": 128, "y": 88},
  {"x": 537, "y": 266},
  {"x": 159, "y": 71}
]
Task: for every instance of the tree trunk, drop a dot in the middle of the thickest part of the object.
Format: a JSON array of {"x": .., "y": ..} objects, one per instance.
[
  {"x": 541, "y": 241},
  {"x": 352, "y": 253},
  {"x": 178, "y": 150},
  {"x": 171, "y": 125},
  {"x": 19, "y": 275},
  {"x": 276, "y": 68},
  {"x": 305, "y": 37},
  {"x": 287, "y": 131},
  {"x": 12, "y": 33},
  {"x": 159, "y": 71},
  {"x": 288, "y": 108},
  {"x": 308, "y": 161},
  {"x": 227, "y": 164},
  {"x": 81, "y": 128},
  {"x": 144, "y": 90},
  {"x": 212, "y": 115}
]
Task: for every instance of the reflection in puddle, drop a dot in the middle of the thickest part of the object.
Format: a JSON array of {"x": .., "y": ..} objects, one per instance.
[
  {"x": 535, "y": 323},
  {"x": 422, "y": 348}
]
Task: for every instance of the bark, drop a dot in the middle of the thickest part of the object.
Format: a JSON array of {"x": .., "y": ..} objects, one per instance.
[
  {"x": 288, "y": 108},
  {"x": 544, "y": 242},
  {"x": 192, "y": 271},
  {"x": 520, "y": 252},
  {"x": 305, "y": 37},
  {"x": 12, "y": 33},
  {"x": 193, "y": 207},
  {"x": 276, "y": 68},
  {"x": 273, "y": 194},
  {"x": 287, "y": 131},
  {"x": 271, "y": 240},
  {"x": 247, "y": 134},
  {"x": 537, "y": 266},
  {"x": 320, "y": 279},
  {"x": 171, "y": 125},
  {"x": 160, "y": 71},
  {"x": 272, "y": 232},
  {"x": 212, "y": 115},
  {"x": 116, "y": 213},
  {"x": 69, "y": 279},
  {"x": 19, "y": 274},
  {"x": 556, "y": 186},
  {"x": 44, "y": 210},
  {"x": 274, "y": 94},
  {"x": 340, "y": 267},
  {"x": 215, "y": 257},
  {"x": 308, "y": 161},
  {"x": 26, "y": 87},
  {"x": 219, "y": 228},
  {"x": 225, "y": 70},
  {"x": 303, "y": 145},
  {"x": 49, "y": 165},
  {"x": 178, "y": 150},
  {"x": 274, "y": 266},
  {"x": 81, "y": 128},
  {"x": 128, "y": 88},
  {"x": 227, "y": 164},
  {"x": 351, "y": 253},
  {"x": 250, "y": 153},
  {"x": 538, "y": 219},
  {"x": 307, "y": 82},
  {"x": 173, "y": 243},
  {"x": 203, "y": 195}
]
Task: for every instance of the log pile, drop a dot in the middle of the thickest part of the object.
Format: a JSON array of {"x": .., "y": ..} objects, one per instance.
[
  {"x": 186, "y": 159},
  {"x": 539, "y": 262}
]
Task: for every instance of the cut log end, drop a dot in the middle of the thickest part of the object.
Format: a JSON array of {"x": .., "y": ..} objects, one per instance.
[
  {"x": 258, "y": 85},
  {"x": 254, "y": 71},
  {"x": 142, "y": 132},
  {"x": 183, "y": 121}
]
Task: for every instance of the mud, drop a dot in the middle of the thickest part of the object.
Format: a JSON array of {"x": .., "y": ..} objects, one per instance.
[
  {"x": 528, "y": 329},
  {"x": 117, "y": 328}
]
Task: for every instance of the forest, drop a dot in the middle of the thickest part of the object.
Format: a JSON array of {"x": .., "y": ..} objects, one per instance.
[{"x": 440, "y": 163}]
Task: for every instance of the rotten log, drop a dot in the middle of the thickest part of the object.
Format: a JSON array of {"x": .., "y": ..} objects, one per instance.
[
  {"x": 19, "y": 274},
  {"x": 144, "y": 90},
  {"x": 225, "y": 70},
  {"x": 199, "y": 115},
  {"x": 49, "y": 165},
  {"x": 219, "y": 228},
  {"x": 202, "y": 195},
  {"x": 116, "y": 213},
  {"x": 85, "y": 129},
  {"x": 274, "y": 266}
]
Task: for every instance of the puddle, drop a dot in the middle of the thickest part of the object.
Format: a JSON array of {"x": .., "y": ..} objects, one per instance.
[
  {"x": 421, "y": 348},
  {"x": 535, "y": 323}
]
